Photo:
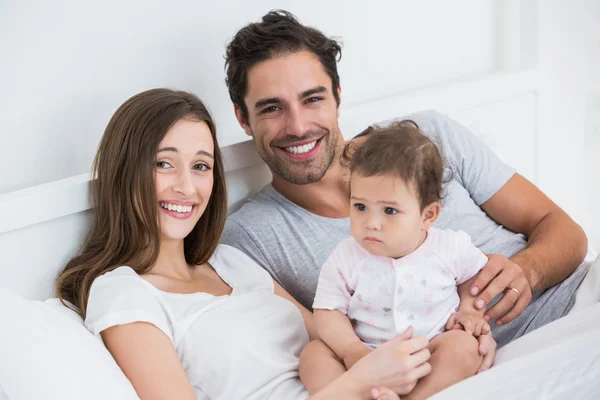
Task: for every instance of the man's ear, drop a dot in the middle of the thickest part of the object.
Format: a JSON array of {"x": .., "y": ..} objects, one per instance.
[
  {"x": 339, "y": 92},
  {"x": 242, "y": 120},
  {"x": 430, "y": 214}
]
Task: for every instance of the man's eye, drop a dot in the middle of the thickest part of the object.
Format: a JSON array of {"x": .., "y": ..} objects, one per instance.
[
  {"x": 360, "y": 207},
  {"x": 269, "y": 109},
  {"x": 390, "y": 211},
  {"x": 313, "y": 99}
]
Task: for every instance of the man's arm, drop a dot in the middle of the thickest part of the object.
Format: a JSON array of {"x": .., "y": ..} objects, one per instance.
[{"x": 556, "y": 246}]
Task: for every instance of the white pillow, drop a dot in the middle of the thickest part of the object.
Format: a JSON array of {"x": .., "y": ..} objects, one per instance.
[{"x": 47, "y": 353}]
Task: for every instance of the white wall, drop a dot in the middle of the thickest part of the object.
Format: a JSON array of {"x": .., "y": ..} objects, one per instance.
[
  {"x": 520, "y": 73},
  {"x": 569, "y": 108},
  {"x": 68, "y": 64}
]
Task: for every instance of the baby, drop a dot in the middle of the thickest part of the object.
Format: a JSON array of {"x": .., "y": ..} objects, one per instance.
[{"x": 397, "y": 271}]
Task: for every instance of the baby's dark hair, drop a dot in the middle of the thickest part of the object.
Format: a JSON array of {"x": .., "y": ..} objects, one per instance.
[{"x": 401, "y": 150}]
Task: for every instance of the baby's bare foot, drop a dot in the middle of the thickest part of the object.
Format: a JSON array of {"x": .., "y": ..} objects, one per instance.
[{"x": 383, "y": 393}]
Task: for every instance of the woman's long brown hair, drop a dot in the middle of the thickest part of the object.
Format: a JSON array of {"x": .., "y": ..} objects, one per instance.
[{"x": 125, "y": 228}]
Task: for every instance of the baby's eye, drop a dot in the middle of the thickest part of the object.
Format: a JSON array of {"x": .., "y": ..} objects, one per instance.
[
  {"x": 360, "y": 207},
  {"x": 390, "y": 211}
]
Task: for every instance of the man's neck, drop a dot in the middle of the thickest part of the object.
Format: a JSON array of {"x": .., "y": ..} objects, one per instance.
[{"x": 329, "y": 197}]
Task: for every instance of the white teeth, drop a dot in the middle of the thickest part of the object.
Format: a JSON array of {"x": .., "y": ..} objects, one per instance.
[
  {"x": 301, "y": 149},
  {"x": 175, "y": 207}
]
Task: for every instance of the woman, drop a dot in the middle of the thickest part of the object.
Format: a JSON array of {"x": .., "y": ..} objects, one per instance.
[{"x": 183, "y": 316}]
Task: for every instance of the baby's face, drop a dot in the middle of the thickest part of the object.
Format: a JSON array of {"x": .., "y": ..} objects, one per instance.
[{"x": 385, "y": 215}]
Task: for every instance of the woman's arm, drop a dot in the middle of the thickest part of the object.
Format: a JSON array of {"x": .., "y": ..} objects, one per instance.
[
  {"x": 309, "y": 321},
  {"x": 148, "y": 359},
  {"x": 397, "y": 364}
]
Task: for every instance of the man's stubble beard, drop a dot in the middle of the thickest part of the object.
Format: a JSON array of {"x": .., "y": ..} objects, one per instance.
[{"x": 296, "y": 175}]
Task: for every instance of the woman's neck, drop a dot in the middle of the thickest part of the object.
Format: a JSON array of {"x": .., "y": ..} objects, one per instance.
[{"x": 171, "y": 260}]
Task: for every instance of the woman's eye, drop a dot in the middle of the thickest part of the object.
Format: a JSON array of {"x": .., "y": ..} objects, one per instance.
[
  {"x": 162, "y": 165},
  {"x": 390, "y": 211},
  {"x": 360, "y": 207},
  {"x": 201, "y": 167}
]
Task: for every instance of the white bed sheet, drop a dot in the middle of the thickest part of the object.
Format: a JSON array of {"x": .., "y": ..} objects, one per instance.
[
  {"x": 589, "y": 290},
  {"x": 560, "y": 360}
]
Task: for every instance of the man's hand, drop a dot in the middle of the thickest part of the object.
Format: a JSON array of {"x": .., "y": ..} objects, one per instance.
[
  {"x": 502, "y": 276},
  {"x": 470, "y": 322}
]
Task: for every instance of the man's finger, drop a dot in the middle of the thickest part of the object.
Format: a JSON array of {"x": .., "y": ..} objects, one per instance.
[
  {"x": 506, "y": 303},
  {"x": 496, "y": 287},
  {"x": 516, "y": 310},
  {"x": 487, "y": 274}
]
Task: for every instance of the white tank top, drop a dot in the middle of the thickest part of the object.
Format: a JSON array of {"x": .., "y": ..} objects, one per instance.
[{"x": 245, "y": 345}]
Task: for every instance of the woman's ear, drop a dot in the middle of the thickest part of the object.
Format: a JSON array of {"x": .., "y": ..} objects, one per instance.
[{"x": 430, "y": 214}]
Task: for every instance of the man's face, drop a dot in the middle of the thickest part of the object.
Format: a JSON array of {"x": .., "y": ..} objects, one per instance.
[{"x": 292, "y": 116}]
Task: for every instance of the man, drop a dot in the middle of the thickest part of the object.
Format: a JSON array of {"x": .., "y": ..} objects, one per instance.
[{"x": 283, "y": 81}]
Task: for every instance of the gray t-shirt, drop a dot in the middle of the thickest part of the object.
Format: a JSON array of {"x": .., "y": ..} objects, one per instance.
[{"x": 293, "y": 244}]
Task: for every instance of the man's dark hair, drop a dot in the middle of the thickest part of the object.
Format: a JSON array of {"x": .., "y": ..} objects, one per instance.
[{"x": 278, "y": 34}]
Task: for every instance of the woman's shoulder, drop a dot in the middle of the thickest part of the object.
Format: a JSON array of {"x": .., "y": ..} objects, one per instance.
[
  {"x": 122, "y": 271},
  {"x": 121, "y": 296},
  {"x": 122, "y": 277}
]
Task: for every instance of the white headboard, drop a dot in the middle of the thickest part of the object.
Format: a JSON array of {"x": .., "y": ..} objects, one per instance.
[{"x": 41, "y": 227}]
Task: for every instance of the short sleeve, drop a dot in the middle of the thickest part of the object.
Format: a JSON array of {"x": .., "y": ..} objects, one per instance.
[
  {"x": 235, "y": 235},
  {"x": 468, "y": 259},
  {"x": 336, "y": 284},
  {"x": 121, "y": 297},
  {"x": 481, "y": 172},
  {"x": 238, "y": 269}
]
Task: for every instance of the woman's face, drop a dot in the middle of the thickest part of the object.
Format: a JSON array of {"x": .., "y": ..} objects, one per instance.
[{"x": 184, "y": 177}]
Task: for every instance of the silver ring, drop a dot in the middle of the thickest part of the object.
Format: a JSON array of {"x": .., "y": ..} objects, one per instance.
[{"x": 515, "y": 290}]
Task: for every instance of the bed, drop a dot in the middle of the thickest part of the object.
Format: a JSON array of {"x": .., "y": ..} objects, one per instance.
[{"x": 45, "y": 352}]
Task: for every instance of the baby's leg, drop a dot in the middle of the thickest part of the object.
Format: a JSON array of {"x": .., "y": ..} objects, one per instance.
[
  {"x": 454, "y": 357},
  {"x": 319, "y": 366}
]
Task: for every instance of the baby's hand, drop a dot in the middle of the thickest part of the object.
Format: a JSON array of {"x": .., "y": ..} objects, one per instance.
[{"x": 471, "y": 322}]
